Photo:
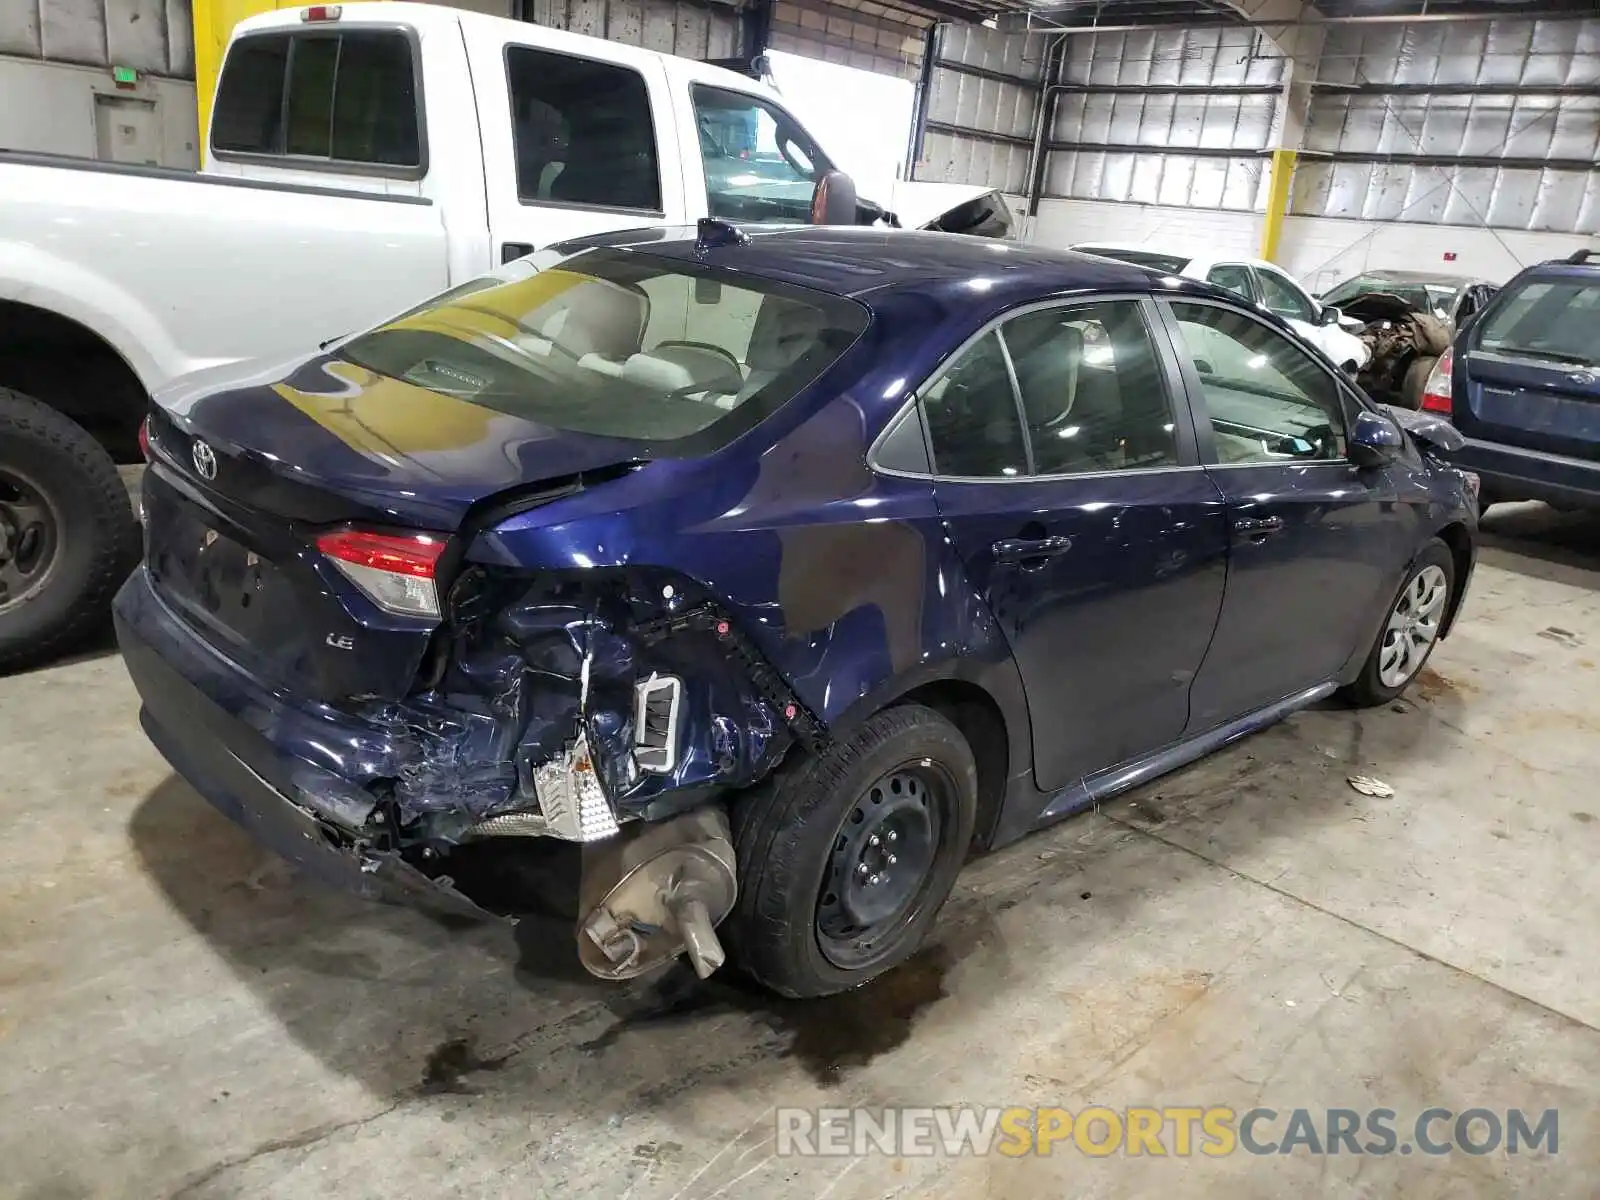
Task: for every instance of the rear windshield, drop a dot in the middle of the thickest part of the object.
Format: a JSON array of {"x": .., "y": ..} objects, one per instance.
[
  {"x": 1169, "y": 263},
  {"x": 1438, "y": 299},
  {"x": 618, "y": 344},
  {"x": 1558, "y": 320}
]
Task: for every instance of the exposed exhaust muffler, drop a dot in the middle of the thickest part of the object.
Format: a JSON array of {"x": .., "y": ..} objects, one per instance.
[{"x": 656, "y": 890}]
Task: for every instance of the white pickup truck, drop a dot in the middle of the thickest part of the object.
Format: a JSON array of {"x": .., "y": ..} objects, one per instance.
[{"x": 360, "y": 159}]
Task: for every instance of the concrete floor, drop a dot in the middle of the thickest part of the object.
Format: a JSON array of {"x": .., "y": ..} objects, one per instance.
[{"x": 179, "y": 1016}]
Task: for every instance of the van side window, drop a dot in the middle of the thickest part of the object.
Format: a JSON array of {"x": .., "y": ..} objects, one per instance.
[
  {"x": 582, "y": 131},
  {"x": 346, "y": 97}
]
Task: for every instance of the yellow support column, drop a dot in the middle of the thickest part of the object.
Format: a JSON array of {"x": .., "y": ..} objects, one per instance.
[
  {"x": 1277, "y": 202},
  {"x": 213, "y": 25}
]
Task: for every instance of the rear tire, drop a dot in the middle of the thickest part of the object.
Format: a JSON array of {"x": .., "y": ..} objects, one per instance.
[
  {"x": 1397, "y": 657},
  {"x": 809, "y": 920},
  {"x": 1416, "y": 378},
  {"x": 67, "y": 534}
]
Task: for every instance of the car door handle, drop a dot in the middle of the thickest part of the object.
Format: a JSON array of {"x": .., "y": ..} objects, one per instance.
[
  {"x": 1012, "y": 550},
  {"x": 1257, "y": 528}
]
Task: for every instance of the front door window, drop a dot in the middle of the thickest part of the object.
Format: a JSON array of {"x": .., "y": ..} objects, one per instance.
[
  {"x": 761, "y": 167},
  {"x": 1279, "y": 294},
  {"x": 1267, "y": 400},
  {"x": 1234, "y": 277}
]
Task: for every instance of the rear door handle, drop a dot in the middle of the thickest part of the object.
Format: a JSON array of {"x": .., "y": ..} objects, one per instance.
[
  {"x": 1013, "y": 550},
  {"x": 1257, "y": 528}
]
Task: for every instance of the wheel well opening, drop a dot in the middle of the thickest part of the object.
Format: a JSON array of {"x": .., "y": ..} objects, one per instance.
[
  {"x": 75, "y": 371},
  {"x": 973, "y": 711},
  {"x": 1459, "y": 541}
]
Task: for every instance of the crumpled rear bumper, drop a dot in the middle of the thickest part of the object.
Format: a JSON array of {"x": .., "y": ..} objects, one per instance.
[{"x": 225, "y": 758}]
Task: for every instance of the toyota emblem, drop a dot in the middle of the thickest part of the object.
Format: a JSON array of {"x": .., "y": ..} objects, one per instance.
[{"x": 205, "y": 459}]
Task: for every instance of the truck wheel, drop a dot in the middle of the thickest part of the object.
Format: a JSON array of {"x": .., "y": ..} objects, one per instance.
[
  {"x": 846, "y": 857},
  {"x": 1416, "y": 379},
  {"x": 67, "y": 535}
]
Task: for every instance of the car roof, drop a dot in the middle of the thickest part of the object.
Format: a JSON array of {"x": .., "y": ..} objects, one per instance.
[
  {"x": 1416, "y": 277},
  {"x": 858, "y": 262}
]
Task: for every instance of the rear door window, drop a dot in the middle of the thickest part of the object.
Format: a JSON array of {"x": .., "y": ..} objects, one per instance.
[
  {"x": 322, "y": 97},
  {"x": 1093, "y": 390},
  {"x": 973, "y": 422},
  {"x": 583, "y": 133},
  {"x": 1550, "y": 320}
]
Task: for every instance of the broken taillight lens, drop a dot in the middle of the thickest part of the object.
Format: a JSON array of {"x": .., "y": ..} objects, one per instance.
[
  {"x": 395, "y": 571},
  {"x": 1436, "y": 392}
]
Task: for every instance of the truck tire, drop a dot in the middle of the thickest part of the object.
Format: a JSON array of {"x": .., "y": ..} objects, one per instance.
[
  {"x": 67, "y": 534},
  {"x": 846, "y": 856},
  {"x": 1416, "y": 379}
]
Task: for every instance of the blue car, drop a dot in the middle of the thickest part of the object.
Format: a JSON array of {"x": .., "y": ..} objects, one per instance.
[
  {"x": 1522, "y": 384},
  {"x": 780, "y": 571}
]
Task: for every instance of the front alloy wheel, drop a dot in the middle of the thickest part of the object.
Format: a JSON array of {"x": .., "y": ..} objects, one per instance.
[
  {"x": 1413, "y": 626},
  {"x": 1411, "y": 630}
]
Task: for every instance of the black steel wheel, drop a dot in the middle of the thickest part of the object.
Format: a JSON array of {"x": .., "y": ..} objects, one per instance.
[
  {"x": 882, "y": 861},
  {"x": 846, "y": 857}
]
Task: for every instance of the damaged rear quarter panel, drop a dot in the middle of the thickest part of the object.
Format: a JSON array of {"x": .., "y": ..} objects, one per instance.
[{"x": 841, "y": 580}]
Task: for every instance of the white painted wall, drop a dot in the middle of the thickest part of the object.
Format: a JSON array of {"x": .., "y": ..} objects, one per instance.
[
  {"x": 862, "y": 118},
  {"x": 1319, "y": 251},
  {"x": 50, "y": 109}
]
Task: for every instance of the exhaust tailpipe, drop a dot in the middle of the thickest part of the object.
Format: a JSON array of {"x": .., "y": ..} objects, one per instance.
[{"x": 654, "y": 891}]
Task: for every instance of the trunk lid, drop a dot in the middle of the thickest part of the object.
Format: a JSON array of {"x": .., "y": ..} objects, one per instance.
[
  {"x": 243, "y": 481},
  {"x": 332, "y": 441},
  {"x": 1552, "y": 407}
]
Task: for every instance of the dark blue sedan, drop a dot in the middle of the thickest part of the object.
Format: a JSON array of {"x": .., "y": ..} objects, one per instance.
[{"x": 780, "y": 571}]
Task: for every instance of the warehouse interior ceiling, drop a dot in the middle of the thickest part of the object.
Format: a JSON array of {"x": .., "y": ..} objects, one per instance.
[{"x": 1117, "y": 14}]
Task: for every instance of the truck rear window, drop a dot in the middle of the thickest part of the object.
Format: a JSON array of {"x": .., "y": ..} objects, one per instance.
[
  {"x": 339, "y": 96},
  {"x": 1558, "y": 320},
  {"x": 619, "y": 344}
]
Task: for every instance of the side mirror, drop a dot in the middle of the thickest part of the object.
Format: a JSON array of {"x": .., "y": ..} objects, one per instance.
[
  {"x": 1331, "y": 314},
  {"x": 834, "y": 201},
  {"x": 1375, "y": 441}
]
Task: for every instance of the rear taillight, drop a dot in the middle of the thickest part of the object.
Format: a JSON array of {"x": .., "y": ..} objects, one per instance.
[
  {"x": 1436, "y": 392},
  {"x": 144, "y": 438},
  {"x": 396, "y": 571},
  {"x": 322, "y": 12}
]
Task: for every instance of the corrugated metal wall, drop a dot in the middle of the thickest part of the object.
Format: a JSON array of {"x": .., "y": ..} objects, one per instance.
[
  {"x": 689, "y": 30},
  {"x": 1470, "y": 123},
  {"x": 981, "y": 118},
  {"x": 154, "y": 36},
  {"x": 861, "y": 34},
  {"x": 1519, "y": 101},
  {"x": 1183, "y": 137},
  {"x": 984, "y": 97}
]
